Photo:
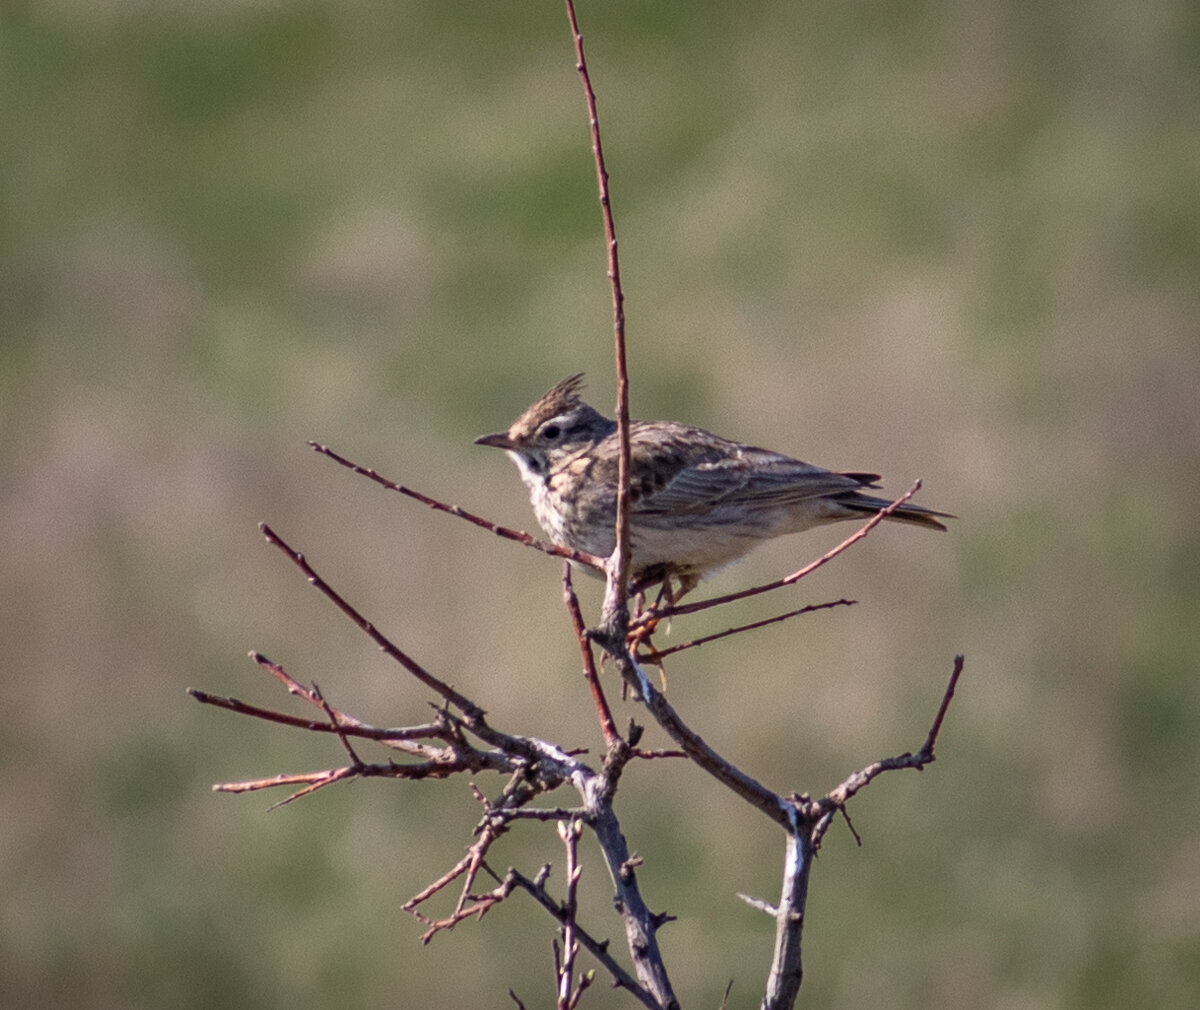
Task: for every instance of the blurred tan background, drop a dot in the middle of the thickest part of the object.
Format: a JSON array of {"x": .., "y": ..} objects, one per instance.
[{"x": 952, "y": 241}]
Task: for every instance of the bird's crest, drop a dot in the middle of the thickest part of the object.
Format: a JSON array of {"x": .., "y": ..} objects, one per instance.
[{"x": 558, "y": 401}]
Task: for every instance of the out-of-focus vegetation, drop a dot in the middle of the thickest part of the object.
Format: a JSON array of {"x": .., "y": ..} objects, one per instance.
[{"x": 953, "y": 241}]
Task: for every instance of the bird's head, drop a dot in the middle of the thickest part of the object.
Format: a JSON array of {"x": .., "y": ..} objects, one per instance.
[{"x": 557, "y": 427}]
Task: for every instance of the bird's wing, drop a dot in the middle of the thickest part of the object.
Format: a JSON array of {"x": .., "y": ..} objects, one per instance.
[{"x": 679, "y": 470}]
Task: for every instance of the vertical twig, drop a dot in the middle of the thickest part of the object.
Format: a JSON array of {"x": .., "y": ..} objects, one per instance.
[
  {"x": 569, "y": 832},
  {"x": 783, "y": 983},
  {"x": 607, "y": 726},
  {"x": 616, "y": 616},
  {"x": 640, "y": 925}
]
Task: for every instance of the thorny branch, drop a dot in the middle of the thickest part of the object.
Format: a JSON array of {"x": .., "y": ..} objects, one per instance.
[
  {"x": 445, "y": 745},
  {"x": 616, "y": 616},
  {"x": 536, "y": 888},
  {"x": 468, "y": 707},
  {"x": 444, "y": 748},
  {"x": 534, "y": 767},
  {"x": 812, "y": 820},
  {"x": 460, "y": 740}
]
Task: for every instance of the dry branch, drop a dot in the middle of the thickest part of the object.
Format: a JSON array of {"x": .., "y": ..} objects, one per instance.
[{"x": 460, "y": 741}]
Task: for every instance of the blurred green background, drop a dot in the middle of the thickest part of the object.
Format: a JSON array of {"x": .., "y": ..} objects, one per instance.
[{"x": 946, "y": 240}]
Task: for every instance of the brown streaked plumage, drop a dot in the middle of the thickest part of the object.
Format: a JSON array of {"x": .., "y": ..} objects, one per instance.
[{"x": 698, "y": 501}]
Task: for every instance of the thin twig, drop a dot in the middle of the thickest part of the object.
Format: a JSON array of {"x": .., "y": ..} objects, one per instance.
[
  {"x": 467, "y": 905},
  {"x": 653, "y": 755},
  {"x": 521, "y": 537},
  {"x": 442, "y": 882},
  {"x": 607, "y": 727},
  {"x": 462, "y": 702},
  {"x": 841, "y": 794},
  {"x": 299, "y": 778},
  {"x": 476, "y": 761},
  {"x": 695, "y": 643},
  {"x": 569, "y": 832},
  {"x": 640, "y": 926},
  {"x": 481, "y": 905},
  {"x": 725, "y": 998},
  {"x": 542, "y": 814},
  {"x": 355, "y": 760},
  {"x": 759, "y": 904},
  {"x": 618, "y": 565},
  {"x": 597, "y": 948},
  {"x": 401, "y": 738},
  {"x": 936, "y": 728},
  {"x": 355, "y": 727}
]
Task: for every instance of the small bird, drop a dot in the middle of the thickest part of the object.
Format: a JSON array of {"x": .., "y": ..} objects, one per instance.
[{"x": 697, "y": 501}]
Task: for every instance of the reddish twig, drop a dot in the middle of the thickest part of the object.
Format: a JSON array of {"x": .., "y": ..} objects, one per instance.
[
  {"x": 332, "y": 716},
  {"x": 301, "y": 778},
  {"x": 615, "y": 613},
  {"x": 462, "y": 702},
  {"x": 480, "y": 905},
  {"x": 312, "y": 781},
  {"x": 943, "y": 708},
  {"x": 400, "y": 738},
  {"x": 519, "y": 536},
  {"x": 695, "y": 643},
  {"x": 839, "y": 796},
  {"x": 442, "y": 882},
  {"x": 654, "y": 755},
  {"x": 607, "y": 726},
  {"x": 497, "y": 816}
]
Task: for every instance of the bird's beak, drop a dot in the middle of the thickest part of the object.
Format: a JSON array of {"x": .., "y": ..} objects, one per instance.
[{"x": 500, "y": 440}]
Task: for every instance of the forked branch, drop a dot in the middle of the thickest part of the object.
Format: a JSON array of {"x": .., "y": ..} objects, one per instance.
[
  {"x": 811, "y": 820},
  {"x": 534, "y": 767},
  {"x": 459, "y": 740}
]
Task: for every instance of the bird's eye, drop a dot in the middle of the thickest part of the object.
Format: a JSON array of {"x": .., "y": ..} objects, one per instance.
[{"x": 551, "y": 431}]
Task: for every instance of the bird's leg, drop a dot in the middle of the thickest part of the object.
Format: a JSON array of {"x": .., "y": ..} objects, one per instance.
[
  {"x": 646, "y": 631},
  {"x": 687, "y": 583},
  {"x": 645, "y": 619},
  {"x": 639, "y": 602},
  {"x": 648, "y": 619}
]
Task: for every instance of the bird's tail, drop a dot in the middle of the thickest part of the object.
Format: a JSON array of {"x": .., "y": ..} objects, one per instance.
[{"x": 917, "y": 515}]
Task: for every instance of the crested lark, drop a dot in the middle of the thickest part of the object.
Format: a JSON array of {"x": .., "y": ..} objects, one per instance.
[{"x": 697, "y": 501}]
